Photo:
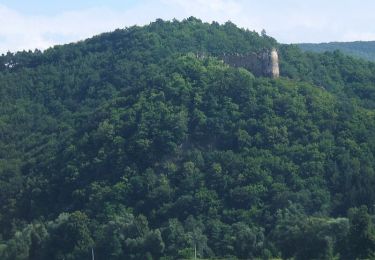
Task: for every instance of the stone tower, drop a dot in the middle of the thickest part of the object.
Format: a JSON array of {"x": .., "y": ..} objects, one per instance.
[
  {"x": 275, "y": 63},
  {"x": 270, "y": 60}
]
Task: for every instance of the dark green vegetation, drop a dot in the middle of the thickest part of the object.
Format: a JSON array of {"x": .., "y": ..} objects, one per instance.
[
  {"x": 129, "y": 144},
  {"x": 360, "y": 49}
]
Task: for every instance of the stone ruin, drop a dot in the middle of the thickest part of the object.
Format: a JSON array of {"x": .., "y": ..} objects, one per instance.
[{"x": 262, "y": 64}]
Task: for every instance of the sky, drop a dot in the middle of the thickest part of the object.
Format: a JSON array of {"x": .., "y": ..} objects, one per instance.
[{"x": 39, "y": 24}]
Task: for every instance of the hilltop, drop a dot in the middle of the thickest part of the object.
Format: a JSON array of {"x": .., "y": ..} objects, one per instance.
[{"x": 143, "y": 144}]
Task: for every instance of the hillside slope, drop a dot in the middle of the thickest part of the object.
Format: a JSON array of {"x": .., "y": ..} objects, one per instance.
[
  {"x": 360, "y": 49},
  {"x": 133, "y": 146}
]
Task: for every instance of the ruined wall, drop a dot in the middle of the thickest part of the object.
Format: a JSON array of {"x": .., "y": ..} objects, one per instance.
[{"x": 264, "y": 63}]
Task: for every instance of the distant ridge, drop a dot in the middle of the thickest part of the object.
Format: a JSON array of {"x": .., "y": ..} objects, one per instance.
[{"x": 359, "y": 49}]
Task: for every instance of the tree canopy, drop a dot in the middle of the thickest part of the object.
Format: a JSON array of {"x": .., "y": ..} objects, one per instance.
[{"x": 134, "y": 145}]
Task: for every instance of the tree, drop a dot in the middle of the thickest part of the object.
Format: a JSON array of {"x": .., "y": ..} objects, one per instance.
[
  {"x": 361, "y": 237},
  {"x": 70, "y": 237}
]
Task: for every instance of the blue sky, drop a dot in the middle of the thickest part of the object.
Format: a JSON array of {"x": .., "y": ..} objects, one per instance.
[
  {"x": 44, "y": 7},
  {"x": 26, "y": 24}
]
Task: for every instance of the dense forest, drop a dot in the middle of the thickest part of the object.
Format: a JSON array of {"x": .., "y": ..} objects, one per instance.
[
  {"x": 360, "y": 49},
  {"x": 142, "y": 144}
]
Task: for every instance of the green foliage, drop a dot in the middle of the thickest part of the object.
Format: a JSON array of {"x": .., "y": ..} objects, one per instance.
[
  {"x": 143, "y": 144},
  {"x": 360, "y": 49},
  {"x": 309, "y": 237},
  {"x": 70, "y": 237},
  {"x": 361, "y": 237},
  {"x": 347, "y": 77}
]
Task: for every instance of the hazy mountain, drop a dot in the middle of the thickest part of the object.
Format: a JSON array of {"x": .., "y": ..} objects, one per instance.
[{"x": 360, "y": 49}]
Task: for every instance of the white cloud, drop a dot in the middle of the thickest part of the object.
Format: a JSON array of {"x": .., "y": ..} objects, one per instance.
[
  {"x": 287, "y": 21},
  {"x": 214, "y": 10},
  {"x": 30, "y": 32},
  {"x": 209, "y": 9},
  {"x": 354, "y": 36}
]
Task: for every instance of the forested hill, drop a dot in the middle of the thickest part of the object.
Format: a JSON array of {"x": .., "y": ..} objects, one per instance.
[
  {"x": 142, "y": 144},
  {"x": 360, "y": 49}
]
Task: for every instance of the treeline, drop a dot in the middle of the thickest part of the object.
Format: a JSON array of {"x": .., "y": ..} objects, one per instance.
[
  {"x": 132, "y": 146},
  {"x": 359, "y": 49}
]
